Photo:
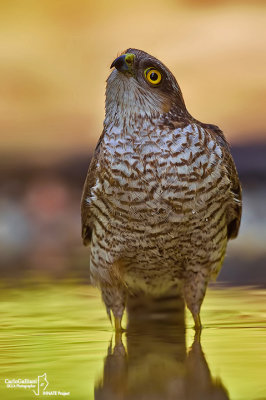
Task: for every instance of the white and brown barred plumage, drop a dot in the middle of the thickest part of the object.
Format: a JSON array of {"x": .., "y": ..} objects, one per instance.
[{"x": 162, "y": 195}]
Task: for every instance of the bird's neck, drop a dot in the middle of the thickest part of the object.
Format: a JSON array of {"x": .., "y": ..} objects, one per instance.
[
  {"x": 130, "y": 107},
  {"x": 127, "y": 103},
  {"x": 124, "y": 114}
]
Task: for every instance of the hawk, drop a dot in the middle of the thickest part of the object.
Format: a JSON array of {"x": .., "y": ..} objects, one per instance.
[{"x": 162, "y": 196}]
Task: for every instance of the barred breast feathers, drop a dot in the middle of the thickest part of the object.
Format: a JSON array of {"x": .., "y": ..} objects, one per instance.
[{"x": 141, "y": 147}]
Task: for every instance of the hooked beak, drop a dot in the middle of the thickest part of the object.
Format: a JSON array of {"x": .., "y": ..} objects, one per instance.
[{"x": 124, "y": 63}]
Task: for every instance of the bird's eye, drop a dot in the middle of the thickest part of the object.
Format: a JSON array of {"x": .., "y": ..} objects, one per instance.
[{"x": 153, "y": 76}]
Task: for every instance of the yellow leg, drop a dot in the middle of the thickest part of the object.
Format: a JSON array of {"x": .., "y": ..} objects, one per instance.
[
  {"x": 197, "y": 336},
  {"x": 197, "y": 321},
  {"x": 118, "y": 338},
  {"x": 118, "y": 327}
]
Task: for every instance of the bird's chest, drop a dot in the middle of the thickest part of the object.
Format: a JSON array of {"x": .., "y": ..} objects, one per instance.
[
  {"x": 158, "y": 176},
  {"x": 138, "y": 170}
]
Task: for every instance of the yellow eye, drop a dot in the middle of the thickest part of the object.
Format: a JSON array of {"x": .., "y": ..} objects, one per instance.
[{"x": 153, "y": 76}]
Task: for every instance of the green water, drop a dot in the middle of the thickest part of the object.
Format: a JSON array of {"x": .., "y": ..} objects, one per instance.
[{"x": 63, "y": 331}]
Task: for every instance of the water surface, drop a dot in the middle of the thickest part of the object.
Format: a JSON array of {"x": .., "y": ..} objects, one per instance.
[{"x": 62, "y": 331}]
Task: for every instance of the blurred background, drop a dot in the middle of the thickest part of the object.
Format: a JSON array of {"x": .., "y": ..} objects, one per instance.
[{"x": 55, "y": 58}]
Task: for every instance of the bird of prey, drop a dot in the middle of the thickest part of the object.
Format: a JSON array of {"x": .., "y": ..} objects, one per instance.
[{"x": 162, "y": 196}]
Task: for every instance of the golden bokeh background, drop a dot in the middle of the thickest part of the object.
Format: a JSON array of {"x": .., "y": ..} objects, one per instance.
[{"x": 55, "y": 58}]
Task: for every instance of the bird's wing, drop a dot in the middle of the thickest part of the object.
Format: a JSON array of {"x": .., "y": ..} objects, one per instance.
[
  {"x": 86, "y": 217},
  {"x": 234, "y": 210}
]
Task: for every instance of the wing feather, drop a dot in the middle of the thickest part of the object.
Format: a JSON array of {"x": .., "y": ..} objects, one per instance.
[
  {"x": 234, "y": 210},
  {"x": 86, "y": 217}
]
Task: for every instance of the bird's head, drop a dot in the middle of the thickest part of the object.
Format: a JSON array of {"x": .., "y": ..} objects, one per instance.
[{"x": 141, "y": 85}]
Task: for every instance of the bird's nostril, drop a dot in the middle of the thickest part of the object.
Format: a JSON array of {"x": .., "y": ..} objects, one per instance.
[
  {"x": 129, "y": 58},
  {"x": 123, "y": 63}
]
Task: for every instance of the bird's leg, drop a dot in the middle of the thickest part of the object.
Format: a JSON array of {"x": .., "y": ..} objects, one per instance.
[
  {"x": 194, "y": 291},
  {"x": 118, "y": 338},
  {"x": 114, "y": 297},
  {"x": 118, "y": 327},
  {"x": 197, "y": 326}
]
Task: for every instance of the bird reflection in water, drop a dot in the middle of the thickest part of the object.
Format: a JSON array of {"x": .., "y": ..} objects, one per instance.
[{"x": 155, "y": 364}]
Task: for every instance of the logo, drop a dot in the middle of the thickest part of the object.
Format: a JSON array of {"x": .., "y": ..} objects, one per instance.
[
  {"x": 38, "y": 386},
  {"x": 42, "y": 384}
]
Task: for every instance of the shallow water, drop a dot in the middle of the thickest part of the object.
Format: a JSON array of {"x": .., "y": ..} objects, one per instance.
[{"x": 62, "y": 331}]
